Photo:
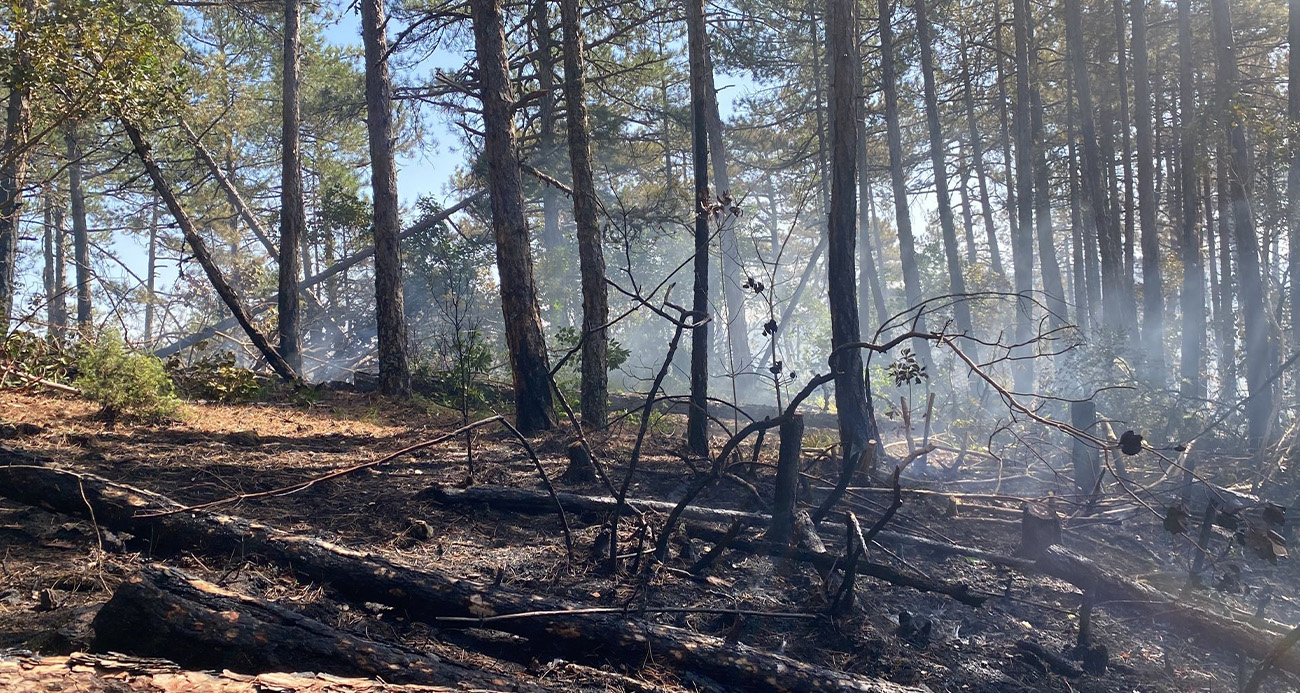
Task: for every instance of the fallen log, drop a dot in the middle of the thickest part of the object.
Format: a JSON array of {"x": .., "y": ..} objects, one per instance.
[
  {"x": 111, "y": 672},
  {"x": 1056, "y": 561},
  {"x": 424, "y": 595},
  {"x": 165, "y": 613},
  {"x": 527, "y": 501}
]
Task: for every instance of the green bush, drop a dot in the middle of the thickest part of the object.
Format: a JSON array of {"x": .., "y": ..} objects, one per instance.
[{"x": 127, "y": 383}]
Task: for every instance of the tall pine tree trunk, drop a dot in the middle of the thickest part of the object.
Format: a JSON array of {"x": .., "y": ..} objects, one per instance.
[
  {"x": 1192, "y": 299},
  {"x": 852, "y": 400},
  {"x": 697, "y": 432},
  {"x": 1153, "y": 299},
  {"x": 591, "y": 255},
  {"x": 394, "y": 373},
  {"x": 1227, "y": 283},
  {"x": 1048, "y": 264},
  {"x": 13, "y": 167},
  {"x": 897, "y": 172},
  {"x": 151, "y": 273},
  {"x": 52, "y": 293},
  {"x": 868, "y": 271},
  {"x": 523, "y": 322},
  {"x": 977, "y": 159},
  {"x": 939, "y": 167},
  {"x": 80, "y": 230},
  {"x": 1022, "y": 246},
  {"x": 293, "y": 215},
  {"x": 1293, "y": 173},
  {"x": 1259, "y": 362}
]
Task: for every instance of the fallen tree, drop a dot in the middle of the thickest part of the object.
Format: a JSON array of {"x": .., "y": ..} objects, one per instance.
[
  {"x": 1056, "y": 561},
  {"x": 521, "y": 500},
  {"x": 424, "y": 595},
  {"x": 163, "y": 612}
]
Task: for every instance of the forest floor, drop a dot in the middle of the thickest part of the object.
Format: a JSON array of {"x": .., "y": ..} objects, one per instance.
[{"x": 56, "y": 571}]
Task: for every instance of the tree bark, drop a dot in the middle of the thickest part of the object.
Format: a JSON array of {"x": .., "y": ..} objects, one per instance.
[
  {"x": 166, "y": 613},
  {"x": 52, "y": 292},
  {"x": 852, "y": 398},
  {"x": 977, "y": 158},
  {"x": 591, "y": 255},
  {"x": 1259, "y": 362},
  {"x": 528, "y": 361},
  {"x": 1022, "y": 244},
  {"x": 697, "y": 422},
  {"x": 151, "y": 272},
  {"x": 394, "y": 372},
  {"x": 939, "y": 168},
  {"x": 1153, "y": 300},
  {"x": 13, "y": 169},
  {"x": 1293, "y": 172},
  {"x": 80, "y": 230},
  {"x": 1083, "y": 304},
  {"x": 869, "y": 283},
  {"x": 293, "y": 215},
  {"x": 1192, "y": 298},
  {"x": 224, "y": 290},
  {"x": 1048, "y": 263},
  {"x": 1008, "y": 163},
  {"x": 232, "y": 195},
  {"x": 897, "y": 172},
  {"x": 1227, "y": 284}
]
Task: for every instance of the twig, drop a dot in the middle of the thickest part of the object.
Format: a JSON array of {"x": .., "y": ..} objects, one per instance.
[
  {"x": 622, "y": 610},
  {"x": 546, "y": 480}
]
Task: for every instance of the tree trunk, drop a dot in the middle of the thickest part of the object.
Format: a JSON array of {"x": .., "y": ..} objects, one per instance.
[
  {"x": 151, "y": 272},
  {"x": 1126, "y": 139},
  {"x": 80, "y": 231},
  {"x": 232, "y": 195},
  {"x": 869, "y": 271},
  {"x": 967, "y": 214},
  {"x": 697, "y": 433},
  {"x": 1049, "y": 265},
  {"x": 732, "y": 270},
  {"x": 939, "y": 167},
  {"x": 897, "y": 172},
  {"x": 1259, "y": 362},
  {"x": 47, "y": 269},
  {"x": 224, "y": 290},
  {"x": 1227, "y": 285},
  {"x": 1115, "y": 300},
  {"x": 166, "y": 613},
  {"x": 591, "y": 255},
  {"x": 1022, "y": 244},
  {"x": 1192, "y": 299},
  {"x": 544, "y": 63},
  {"x": 1293, "y": 173},
  {"x": 13, "y": 169},
  {"x": 1153, "y": 300},
  {"x": 60, "y": 299},
  {"x": 852, "y": 399},
  {"x": 293, "y": 215},
  {"x": 977, "y": 158},
  {"x": 1083, "y": 304},
  {"x": 523, "y": 323},
  {"x": 394, "y": 373},
  {"x": 1008, "y": 163}
]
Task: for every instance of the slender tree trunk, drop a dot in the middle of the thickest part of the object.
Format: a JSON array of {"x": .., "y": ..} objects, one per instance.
[
  {"x": 60, "y": 299},
  {"x": 852, "y": 400},
  {"x": 897, "y": 172},
  {"x": 1004, "y": 126},
  {"x": 1192, "y": 298},
  {"x": 1293, "y": 173},
  {"x": 545, "y": 66},
  {"x": 697, "y": 433},
  {"x": 394, "y": 374},
  {"x": 956, "y": 282},
  {"x": 1115, "y": 300},
  {"x": 977, "y": 157},
  {"x": 591, "y": 255},
  {"x": 201, "y": 254},
  {"x": 1258, "y": 360},
  {"x": 293, "y": 215},
  {"x": 1126, "y": 139},
  {"x": 732, "y": 270},
  {"x": 879, "y": 289},
  {"x": 232, "y": 195},
  {"x": 47, "y": 269},
  {"x": 1048, "y": 263},
  {"x": 967, "y": 214},
  {"x": 1022, "y": 247},
  {"x": 523, "y": 323},
  {"x": 868, "y": 272},
  {"x": 1078, "y": 239},
  {"x": 1153, "y": 304},
  {"x": 80, "y": 230},
  {"x": 1227, "y": 285},
  {"x": 151, "y": 273},
  {"x": 13, "y": 169}
]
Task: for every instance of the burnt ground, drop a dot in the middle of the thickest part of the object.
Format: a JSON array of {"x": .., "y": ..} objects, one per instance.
[{"x": 55, "y": 571}]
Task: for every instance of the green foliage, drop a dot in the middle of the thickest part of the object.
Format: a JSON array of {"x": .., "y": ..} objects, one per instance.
[
  {"x": 219, "y": 378},
  {"x": 43, "y": 357},
  {"x": 122, "y": 382},
  {"x": 569, "y": 378}
]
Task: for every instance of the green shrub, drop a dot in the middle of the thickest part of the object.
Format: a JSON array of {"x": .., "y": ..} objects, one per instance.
[
  {"x": 127, "y": 383},
  {"x": 218, "y": 377}
]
